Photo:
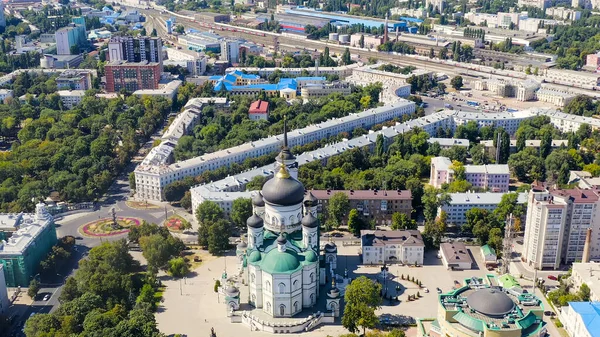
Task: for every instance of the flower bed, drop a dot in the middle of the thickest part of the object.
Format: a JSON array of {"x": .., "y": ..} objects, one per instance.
[
  {"x": 175, "y": 223},
  {"x": 104, "y": 227}
]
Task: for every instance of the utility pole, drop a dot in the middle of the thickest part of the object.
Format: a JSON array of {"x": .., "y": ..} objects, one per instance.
[{"x": 498, "y": 142}]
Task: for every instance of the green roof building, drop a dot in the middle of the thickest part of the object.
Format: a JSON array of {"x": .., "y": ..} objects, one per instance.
[
  {"x": 22, "y": 250},
  {"x": 479, "y": 309}
]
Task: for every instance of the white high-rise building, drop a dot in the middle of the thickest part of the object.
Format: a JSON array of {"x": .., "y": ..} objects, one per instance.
[{"x": 556, "y": 225}]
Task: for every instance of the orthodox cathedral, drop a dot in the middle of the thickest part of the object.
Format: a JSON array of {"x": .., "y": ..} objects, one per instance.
[{"x": 282, "y": 254}]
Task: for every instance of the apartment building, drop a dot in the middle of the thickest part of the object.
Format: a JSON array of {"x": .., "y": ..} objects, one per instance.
[
  {"x": 563, "y": 13},
  {"x": 460, "y": 203},
  {"x": 74, "y": 79},
  {"x": 488, "y": 145},
  {"x": 494, "y": 178},
  {"x": 150, "y": 180},
  {"x": 541, "y": 4},
  {"x": 229, "y": 188},
  {"x": 556, "y": 225},
  {"x": 376, "y": 205},
  {"x": 135, "y": 49},
  {"x": 446, "y": 143},
  {"x": 581, "y": 319},
  {"x": 71, "y": 98},
  {"x": 379, "y": 247},
  {"x": 132, "y": 76},
  {"x": 588, "y": 273}
]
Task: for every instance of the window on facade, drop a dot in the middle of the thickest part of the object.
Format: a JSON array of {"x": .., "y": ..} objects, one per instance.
[
  {"x": 282, "y": 310},
  {"x": 281, "y": 288}
]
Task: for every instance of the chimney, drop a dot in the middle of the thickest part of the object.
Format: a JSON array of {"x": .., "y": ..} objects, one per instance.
[{"x": 586, "y": 248}]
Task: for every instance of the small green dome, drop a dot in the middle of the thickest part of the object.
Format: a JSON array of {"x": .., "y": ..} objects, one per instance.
[
  {"x": 311, "y": 256},
  {"x": 254, "y": 256},
  {"x": 276, "y": 262}
]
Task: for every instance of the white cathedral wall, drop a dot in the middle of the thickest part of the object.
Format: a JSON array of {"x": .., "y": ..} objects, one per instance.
[
  {"x": 290, "y": 216},
  {"x": 267, "y": 292},
  {"x": 309, "y": 285},
  {"x": 285, "y": 295},
  {"x": 255, "y": 237},
  {"x": 256, "y": 294}
]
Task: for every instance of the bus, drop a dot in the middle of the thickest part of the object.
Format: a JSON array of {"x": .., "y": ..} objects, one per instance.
[{"x": 472, "y": 103}]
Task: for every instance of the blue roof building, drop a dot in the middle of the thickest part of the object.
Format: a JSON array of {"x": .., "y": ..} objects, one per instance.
[
  {"x": 344, "y": 19},
  {"x": 582, "y": 319}
]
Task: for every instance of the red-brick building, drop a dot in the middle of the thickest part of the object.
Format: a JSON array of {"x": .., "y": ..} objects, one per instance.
[{"x": 132, "y": 76}]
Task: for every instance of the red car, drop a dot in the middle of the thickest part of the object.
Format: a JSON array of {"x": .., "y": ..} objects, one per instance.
[{"x": 552, "y": 277}]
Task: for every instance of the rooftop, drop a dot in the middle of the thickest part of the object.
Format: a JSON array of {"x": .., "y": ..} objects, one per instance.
[
  {"x": 590, "y": 315},
  {"x": 449, "y": 141},
  {"x": 382, "y": 238},
  {"x": 488, "y": 198},
  {"x": 455, "y": 252},
  {"x": 29, "y": 227},
  {"x": 365, "y": 194},
  {"x": 259, "y": 107}
]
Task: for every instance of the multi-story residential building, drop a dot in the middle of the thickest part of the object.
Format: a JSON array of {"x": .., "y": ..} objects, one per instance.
[
  {"x": 446, "y": 143},
  {"x": 563, "y": 13},
  {"x": 584, "y": 180},
  {"x": 581, "y": 319},
  {"x": 491, "y": 177},
  {"x": 230, "y": 51},
  {"x": 150, "y": 180},
  {"x": 379, "y": 247},
  {"x": 5, "y": 93},
  {"x": 4, "y": 302},
  {"x": 74, "y": 79},
  {"x": 556, "y": 226},
  {"x": 460, "y": 203},
  {"x": 22, "y": 250},
  {"x": 490, "y": 149},
  {"x": 71, "y": 98},
  {"x": 321, "y": 90},
  {"x": 166, "y": 90},
  {"x": 72, "y": 35},
  {"x": 228, "y": 188},
  {"x": 560, "y": 98},
  {"x": 376, "y": 205},
  {"x": 132, "y": 76},
  {"x": 588, "y": 273},
  {"x": 541, "y": 4},
  {"x": 135, "y": 49}
]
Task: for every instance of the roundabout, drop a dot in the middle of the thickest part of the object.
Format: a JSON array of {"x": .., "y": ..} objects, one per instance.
[{"x": 107, "y": 227}]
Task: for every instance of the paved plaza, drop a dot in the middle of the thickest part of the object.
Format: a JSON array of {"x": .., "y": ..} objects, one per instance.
[{"x": 191, "y": 307}]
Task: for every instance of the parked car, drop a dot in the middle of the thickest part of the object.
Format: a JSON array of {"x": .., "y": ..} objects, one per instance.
[
  {"x": 439, "y": 291},
  {"x": 47, "y": 297},
  {"x": 552, "y": 277},
  {"x": 426, "y": 290}
]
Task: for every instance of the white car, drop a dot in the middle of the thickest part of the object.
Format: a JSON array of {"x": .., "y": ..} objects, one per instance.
[
  {"x": 426, "y": 290},
  {"x": 47, "y": 297}
]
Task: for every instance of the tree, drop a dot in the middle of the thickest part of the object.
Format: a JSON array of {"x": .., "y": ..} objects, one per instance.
[
  {"x": 545, "y": 143},
  {"x": 69, "y": 291},
  {"x": 346, "y": 58},
  {"x": 361, "y": 41},
  {"x": 457, "y": 82},
  {"x": 479, "y": 155},
  {"x": 34, "y": 288},
  {"x": 241, "y": 210},
  {"x": 584, "y": 292},
  {"x": 178, "y": 29},
  {"x": 432, "y": 201},
  {"x": 218, "y": 237},
  {"x": 495, "y": 240},
  {"x": 379, "y": 145},
  {"x": 154, "y": 33},
  {"x": 508, "y": 205},
  {"x": 354, "y": 222},
  {"x": 178, "y": 267},
  {"x": 156, "y": 250},
  {"x": 337, "y": 208},
  {"x": 132, "y": 181},
  {"x": 401, "y": 221},
  {"x": 208, "y": 211},
  {"x": 362, "y": 299}
]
